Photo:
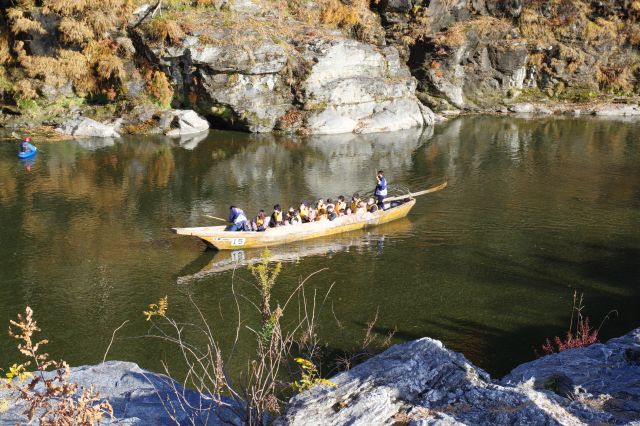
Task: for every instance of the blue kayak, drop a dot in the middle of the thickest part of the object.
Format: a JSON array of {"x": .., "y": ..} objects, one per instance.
[{"x": 28, "y": 154}]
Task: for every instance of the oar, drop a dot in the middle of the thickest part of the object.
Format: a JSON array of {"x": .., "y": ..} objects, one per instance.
[
  {"x": 416, "y": 194},
  {"x": 214, "y": 217}
]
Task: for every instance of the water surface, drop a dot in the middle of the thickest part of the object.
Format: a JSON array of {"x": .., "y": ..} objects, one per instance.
[{"x": 535, "y": 209}]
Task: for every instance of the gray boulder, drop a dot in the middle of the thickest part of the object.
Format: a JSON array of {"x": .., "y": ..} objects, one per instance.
[
  {"x": 86, "y": 127},
  {"x": 186, "y": 122},
  {"x": 139, "y": 398},
  {"x": 423, "y": 383},
  {"x": 606, "y": 376}
]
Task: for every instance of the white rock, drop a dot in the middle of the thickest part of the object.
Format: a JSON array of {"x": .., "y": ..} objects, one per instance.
[
  {"x": 86, "y": 127},
  {"x": 527, "y": 108},
  {"x": 187, "y": 122},
  {"x": 611, "y": 110}
]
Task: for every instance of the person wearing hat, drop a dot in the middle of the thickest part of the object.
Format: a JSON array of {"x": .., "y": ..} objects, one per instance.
[{"x": 25, "y": 145}]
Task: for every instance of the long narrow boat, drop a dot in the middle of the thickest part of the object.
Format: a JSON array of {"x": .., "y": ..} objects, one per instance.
[{"x": 218, "y": 238}]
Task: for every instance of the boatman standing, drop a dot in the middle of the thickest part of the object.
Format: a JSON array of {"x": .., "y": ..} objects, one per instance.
[
  {"x": 381, "y": 189},
  {"x": 238, "y": 220}
]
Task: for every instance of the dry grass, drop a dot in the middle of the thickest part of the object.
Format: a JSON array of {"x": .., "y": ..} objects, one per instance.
[
  {"x": 5, "y": 49},
  {"x": 600, "y": 30},
  {"x": 615, "y": 78},
  {"x": 535, "y": 27},
  {"x": 24, "y": 89},
  {"x": 484, "y": 26},
  {"x": 165, "y": 29},
  {"x": 74, "y": 32}
]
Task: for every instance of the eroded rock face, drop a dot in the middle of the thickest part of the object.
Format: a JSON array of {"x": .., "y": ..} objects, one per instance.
[
  {"x": 354, "y": 87},
  {"x": 313, "y": 82},
  {"x": 424, "y": 383}
]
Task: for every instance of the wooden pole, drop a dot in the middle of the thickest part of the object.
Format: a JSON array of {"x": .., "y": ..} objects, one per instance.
[
  {"x": 416, "y": 194},
  {"x": 215, "y": 217}
]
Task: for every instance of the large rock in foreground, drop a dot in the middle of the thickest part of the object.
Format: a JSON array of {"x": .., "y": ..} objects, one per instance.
[
  {"x": 424, "y": 383},
  {"x": 140, "y": 398}
]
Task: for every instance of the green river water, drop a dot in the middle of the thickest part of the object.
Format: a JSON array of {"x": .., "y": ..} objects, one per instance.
[{"x": 535, "y": 209}]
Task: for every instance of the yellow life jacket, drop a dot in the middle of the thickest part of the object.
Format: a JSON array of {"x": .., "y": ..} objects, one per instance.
[
  {"x": 304, "y": 211},
  {"x": 259, "y": 221},
  {"x": 277, "y": 216},
  {"x": 341, "y": 206},
  {"x": 322, "y": 209},
  {"x": 354, "y": 205}
]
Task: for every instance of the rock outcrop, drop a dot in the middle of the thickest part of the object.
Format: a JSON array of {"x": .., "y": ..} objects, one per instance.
[
  {"x": 423, "y": 383},
  {"x": 418, "y": 382},
  {"x": 87, "y": 127},
  {"x": 480, "y": 55},
  {"x": 185, "y": 123},
  {"x": 140, "y": 398},
  {"x": 312, "y": 81}
]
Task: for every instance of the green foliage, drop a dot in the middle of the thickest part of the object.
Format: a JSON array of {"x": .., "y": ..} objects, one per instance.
[
  {"x": 266, "y": 277},
  {"x": 263, "y": 273},
  {"x": 309, "y": 376}
]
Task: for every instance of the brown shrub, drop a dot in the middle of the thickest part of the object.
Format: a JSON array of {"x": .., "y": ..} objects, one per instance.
[
  {"x": 159, "y": 88},
  {"x": 5, "y": 49},
  {"x": 165, "y": 29},
  {"x": 74, "y": 32},
  {"x": 24, "y": 89}
]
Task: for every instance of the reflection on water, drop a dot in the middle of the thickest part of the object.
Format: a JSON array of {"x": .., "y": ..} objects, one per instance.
[
  {"x": 360, "y": 241},
  {"x": 534, "y": 209}
]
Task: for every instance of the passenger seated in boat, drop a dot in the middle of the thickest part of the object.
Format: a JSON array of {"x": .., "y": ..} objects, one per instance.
[
  {"x": 341, "y": 205},
  {"x": 313, "y": 212},
  {"x": 322, "y": 214},
  {"x": 372, "y": 207},
  {"x": 331, "y": 212},
  {"x": 330, "y": 204},
  {"x": 289, "y": 216},
  {"x": 322, "y": 208},
  {"x": 295, "y": 218},
  {"x": 261, "y": 222},
  {"x": 304, "y": 211},
  {"x": 361, "y": 208},
  {"x": 276, "y": 217},
  {"x": 355, "y": 199},
  {"x": 238, "y": 220},
  {"x": 347, "y": 211}
]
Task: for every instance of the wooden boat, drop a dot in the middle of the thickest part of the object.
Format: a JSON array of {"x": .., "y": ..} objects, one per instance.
[{"x": 218, "y": 238}]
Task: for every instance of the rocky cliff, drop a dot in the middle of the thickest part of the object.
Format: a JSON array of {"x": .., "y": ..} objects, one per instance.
[{"x": 310, "y": 67}]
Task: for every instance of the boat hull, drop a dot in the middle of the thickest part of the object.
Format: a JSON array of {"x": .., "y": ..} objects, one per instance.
[
  {"x": 218, "y": 238},
  {"x": 27, "y": 154}
]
